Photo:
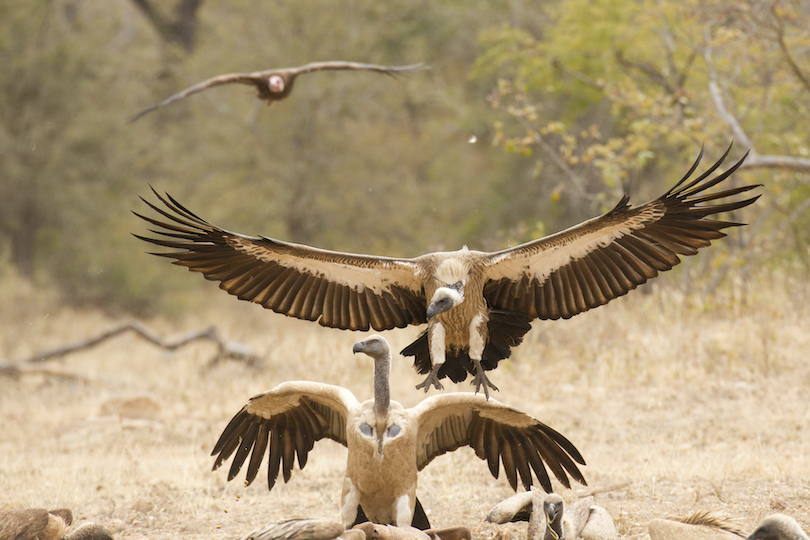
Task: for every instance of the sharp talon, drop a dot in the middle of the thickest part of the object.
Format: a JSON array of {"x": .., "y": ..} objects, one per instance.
[
  {"x": 430, "y": 380},
  {"x": 480, "y": 379}
]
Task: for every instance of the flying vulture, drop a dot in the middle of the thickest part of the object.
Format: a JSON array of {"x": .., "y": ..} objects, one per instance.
[
  {"x": 387, "y": 444},
  {"x": 274, "y": 84},
  {"x": 477, "y": 305}
]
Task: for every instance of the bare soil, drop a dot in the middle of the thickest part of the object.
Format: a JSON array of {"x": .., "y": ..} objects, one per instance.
[{"x": 678, "y": 400}]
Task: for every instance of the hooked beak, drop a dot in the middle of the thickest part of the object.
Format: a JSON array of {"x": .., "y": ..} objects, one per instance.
[
  {"x": 433, "y": 309},
  {"x": 358, "y": 347}
]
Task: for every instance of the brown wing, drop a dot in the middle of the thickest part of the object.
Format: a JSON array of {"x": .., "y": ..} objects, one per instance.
[
  {"x": 241, "y": 78},
  {"x": 28, "y": 524},
  {"x": 601, "y": 259},
  {"x": 285, "y": 421},
  {"x": 338, "y": 65},
  {"x": 495, "y": 432},
  {"x": 298, "y": 529},
  {"x": 339, "y": 290}
]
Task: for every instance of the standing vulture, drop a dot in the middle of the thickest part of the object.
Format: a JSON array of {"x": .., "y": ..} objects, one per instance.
[
  {"x": 477, "y": 305},
  {"x": 387, "y": 444},
  {"x": 274, "y": 84}
]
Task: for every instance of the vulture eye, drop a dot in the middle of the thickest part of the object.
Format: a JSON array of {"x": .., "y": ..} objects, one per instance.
[
  {"x": 366, "y": 430},
  {"x": 393, "y": 431}
]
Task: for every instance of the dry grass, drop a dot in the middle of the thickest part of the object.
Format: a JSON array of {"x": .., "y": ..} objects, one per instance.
[{"x": 682, "y": 402}]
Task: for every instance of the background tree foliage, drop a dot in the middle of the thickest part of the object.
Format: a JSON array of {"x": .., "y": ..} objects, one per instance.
[{"x": 610, "y": 96}]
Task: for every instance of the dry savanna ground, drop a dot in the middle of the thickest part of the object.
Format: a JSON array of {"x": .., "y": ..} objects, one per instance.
[{"x": 678, "y": 401}]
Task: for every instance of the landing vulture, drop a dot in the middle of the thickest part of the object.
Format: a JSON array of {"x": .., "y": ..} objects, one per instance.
[
  {"x": 477, "y": 305},
  {"x": 387, "y": 444},
  {"x": 273, "y": 84}
]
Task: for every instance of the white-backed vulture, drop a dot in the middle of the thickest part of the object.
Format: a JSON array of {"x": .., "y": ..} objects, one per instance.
[
  {"x": 550, "y": 520},
  {"x": 41, "y": 524},
  {"x": 477, "y": 305},
  {"x": 778, "y": 527},
  {"x": 387, "y": 444},
  {"x": 700, "y": 525},
  {"x": 274, "y": 84}
]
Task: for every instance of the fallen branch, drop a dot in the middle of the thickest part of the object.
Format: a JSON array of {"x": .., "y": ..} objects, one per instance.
[
  {"x": 225, "y": 348},
  {"x": 15, "y": 372}
]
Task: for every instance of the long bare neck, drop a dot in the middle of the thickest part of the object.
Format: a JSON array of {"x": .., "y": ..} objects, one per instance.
[{"x": 382, "y": 391}]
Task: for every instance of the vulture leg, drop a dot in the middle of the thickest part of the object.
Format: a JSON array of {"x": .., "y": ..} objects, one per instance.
[
  {"x": 436, "y": 342},
  {"x": 478, "y": 329},
  {"x": 481, "y": 379},
  {"x": 432, "y": 379}
]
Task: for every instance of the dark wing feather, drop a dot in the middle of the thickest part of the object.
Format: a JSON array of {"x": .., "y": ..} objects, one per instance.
[
  {"x": 285, "y": 422},
  {"x": 241, "y": 78},
  {"x": 505, "y": 329},
  {"x": 339, "y": 290},
  {"x": 496, "y": 433},
  {"x": 592, "y": 263}
]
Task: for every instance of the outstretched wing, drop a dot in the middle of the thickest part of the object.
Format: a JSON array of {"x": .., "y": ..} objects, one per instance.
[
  {"x": 338, "y": 65},
  {"x": 228, "y": 78},
  {"x": 285, "y": 421},
  {"x": 339, "y": 290},
  {"x": 601, "y": 259},
  {"x": 495, "y": 432}
]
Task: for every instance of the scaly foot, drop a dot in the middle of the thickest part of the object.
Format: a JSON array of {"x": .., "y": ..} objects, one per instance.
[
  {"x": 432, "y": 379},
  {"x": 481, "y": 379}
]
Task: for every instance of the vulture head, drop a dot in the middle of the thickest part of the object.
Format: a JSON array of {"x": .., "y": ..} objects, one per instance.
[
  {"x": 276, "y": 84},
  {"x": 374, "y": 346},
  {"x": 778, "y": 527},
  {"x": 445, "y": 298},
  {"x": 553, "y": 508}
]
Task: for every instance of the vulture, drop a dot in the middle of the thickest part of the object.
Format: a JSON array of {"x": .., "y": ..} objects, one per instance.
[
  {"x": 548, "y": 517},
  {"x": 387, "y": 444},
  {"x": 778, "y": 527},
  {"x": 700, "y": 525},
  {"x": 41, "y": 524},
  {"x": 325, "y": 529},
  {"x": 274, "y": 84},
  {"x": 477, "y": 305}
]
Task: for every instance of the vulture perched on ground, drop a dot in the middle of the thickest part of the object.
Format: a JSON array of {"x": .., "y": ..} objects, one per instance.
[
  {"x": 274, "y": 84},
  {"x": 42, "y": 524},
  {"x": 477, "y": 305},
  {"x": 387, "y": 444},
  {"x": 549, "y": 519},
  {"x": 778, "y": 527}
]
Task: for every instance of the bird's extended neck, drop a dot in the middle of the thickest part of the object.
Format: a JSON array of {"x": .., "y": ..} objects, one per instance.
[{"x": 382, "y": 390}]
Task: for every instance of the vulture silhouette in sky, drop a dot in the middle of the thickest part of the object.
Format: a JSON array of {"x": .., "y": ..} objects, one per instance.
[
  {"x": 274, "y": 84},
  {"x": 477, "y": 305},
  {"x": 388, "y": 444}
]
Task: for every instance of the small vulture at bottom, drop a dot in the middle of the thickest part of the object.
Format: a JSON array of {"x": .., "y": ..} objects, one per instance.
[
  {"x": 41, "y": 524},
  {"x": 274, "y": 84},
  {"x": 582, "y": 520},
  {"x": 325, "y": 529},
  {"x": 387, "y": 444},
  {"x": 709, "y": 525},
  {"x": 477, "y": 305},
  {"x": 778, "y": 527}
]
